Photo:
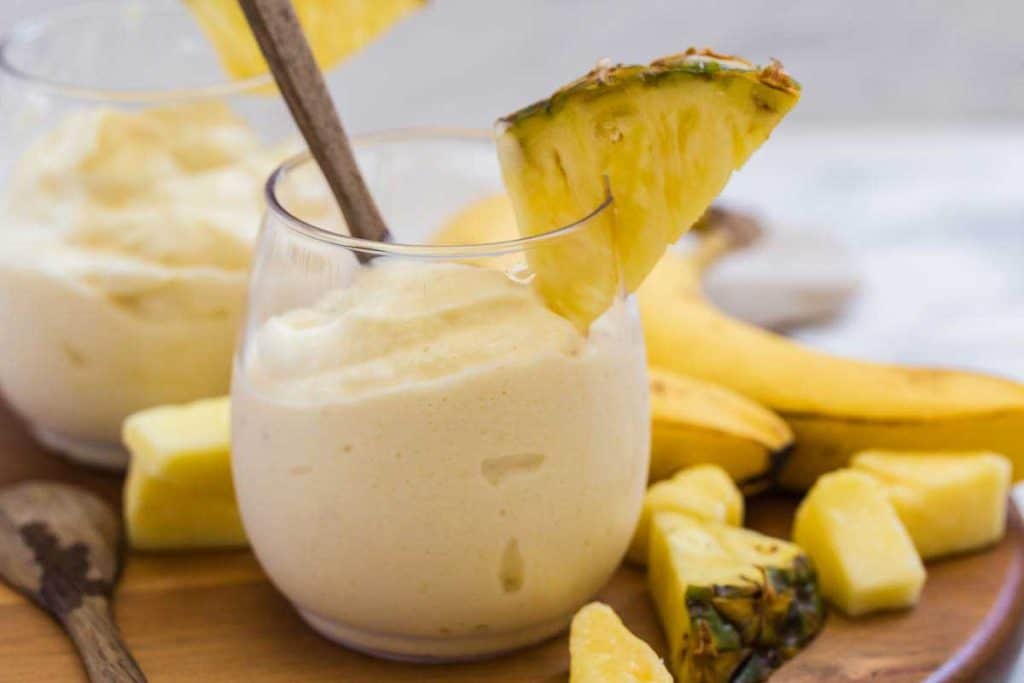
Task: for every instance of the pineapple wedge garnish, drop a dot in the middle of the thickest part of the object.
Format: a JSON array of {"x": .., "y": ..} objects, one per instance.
[
  {"x": 179, "y": 493},
  {"x": 865, "y": 558},
  {"x": 334, "y": 28},
  {"x": 734, "y": 603},
  {"x": 948, "y": 502},
  {"x": 705, "y": 492},
  {"x": 665, "y": 137},
  {"x": 603, "y": 650}
]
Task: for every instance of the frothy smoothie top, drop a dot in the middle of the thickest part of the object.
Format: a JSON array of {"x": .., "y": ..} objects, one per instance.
[
  {"x": 154, "y": 212},
  {"x": 405, "y": 322}
]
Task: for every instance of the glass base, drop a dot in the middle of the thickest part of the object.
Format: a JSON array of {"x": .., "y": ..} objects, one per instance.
[
  {"x": 100, "y": 454},
  {"x": 433, "y": 650}
]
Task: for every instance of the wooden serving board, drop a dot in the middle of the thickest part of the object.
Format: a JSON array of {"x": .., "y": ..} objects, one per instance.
[{"x": 214, "y": 617}]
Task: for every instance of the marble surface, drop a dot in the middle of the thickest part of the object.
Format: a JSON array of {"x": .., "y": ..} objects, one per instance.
[{"x": 936, "y": 220}]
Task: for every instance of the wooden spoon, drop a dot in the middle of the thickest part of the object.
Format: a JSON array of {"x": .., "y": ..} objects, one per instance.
[
  {"x": 59, "y": 545},
  {"x": 291, "y": 61}
]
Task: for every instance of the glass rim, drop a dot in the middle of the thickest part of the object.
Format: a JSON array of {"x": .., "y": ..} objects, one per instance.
[
  {"x": 30, "y": 28},
  {"x": 376, "y": 248}
]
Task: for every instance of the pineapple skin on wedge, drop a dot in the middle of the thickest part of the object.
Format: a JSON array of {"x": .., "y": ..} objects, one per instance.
[
  {"x": 734, "y": 603},
  {"x": 179, "y": 493},
  {"x": 603, "y": 650},
  {"x": 665, "y": 136},
  {"x": 865, "y": 558},
  {"x": 705, "y": 492},
  {"x": 948, "y": 502}
]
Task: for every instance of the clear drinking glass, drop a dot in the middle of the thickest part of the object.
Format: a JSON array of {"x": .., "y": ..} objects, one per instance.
[
  {"x": 132, "y": 176},
  {"x": 430, "y": 463}
]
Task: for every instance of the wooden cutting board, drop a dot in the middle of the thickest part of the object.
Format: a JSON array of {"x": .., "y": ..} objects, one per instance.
[{"x": 214, "y": 617}]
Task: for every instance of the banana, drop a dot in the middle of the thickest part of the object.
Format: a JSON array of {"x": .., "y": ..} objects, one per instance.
[
  {"x": 835, "y": 406},
  {"x": 695, "y": 422},
  {"x": 692, "y": 421}
]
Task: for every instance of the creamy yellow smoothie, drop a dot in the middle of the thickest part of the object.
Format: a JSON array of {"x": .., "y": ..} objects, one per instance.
[
  {"x": 125, "y": 239},
  {"x": 432, "y": 464}
]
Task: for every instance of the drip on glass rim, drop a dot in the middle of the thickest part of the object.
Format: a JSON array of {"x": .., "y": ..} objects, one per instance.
[{"x": 473, "y": 250}]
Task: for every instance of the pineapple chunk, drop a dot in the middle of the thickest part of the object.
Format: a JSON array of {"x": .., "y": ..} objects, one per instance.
[
  {"x": 662, "y": 139},
  {"x": 179, "y": 493},
  {"x": 734, "y": 603},
  {"x": 704, "y": 491},
  {"x": 334, "y": 28},
  {"x": 864, "y": 555},
  {"x": 603, "y": 650},
  {"x": 949, "y": 502}
]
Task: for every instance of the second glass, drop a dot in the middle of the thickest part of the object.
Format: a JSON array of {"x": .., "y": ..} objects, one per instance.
[
  {"x": 430, "y": 463},
  {"x": 128, "y": 215}
]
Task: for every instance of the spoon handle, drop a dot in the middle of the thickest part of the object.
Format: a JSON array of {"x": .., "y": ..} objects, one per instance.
[
  {"x": 284, "y": 46},
  {"x": 104, "y": 654}
]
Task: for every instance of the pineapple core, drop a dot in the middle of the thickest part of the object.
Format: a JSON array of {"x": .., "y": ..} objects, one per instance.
[
  {"x": 865, "y": 558},
  {"x": 949, "y": 502},
  {"x": 179, "y": 493},
  {"x": 602, "y": 650},
  {"x": 706, "y": 492}
]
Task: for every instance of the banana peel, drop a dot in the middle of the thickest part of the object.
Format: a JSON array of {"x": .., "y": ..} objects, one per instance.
[
  {"x": 695, "y": 422},
  {"x": 835, "y": 406}
]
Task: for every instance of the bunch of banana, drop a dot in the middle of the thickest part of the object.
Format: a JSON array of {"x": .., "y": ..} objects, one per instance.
[
  {"x": 692, "y": 421},
  {"x": 835, "y": 406}
]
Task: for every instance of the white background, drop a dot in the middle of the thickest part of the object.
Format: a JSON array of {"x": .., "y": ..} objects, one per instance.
[{"x": 467, "y": 61}]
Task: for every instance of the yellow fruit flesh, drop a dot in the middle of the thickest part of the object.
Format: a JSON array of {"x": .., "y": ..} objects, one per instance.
[
  {"x": 709, "y": 582},
  {"x": 836, "y": 406},
  {"x": 949, "y": 503},
  {"x": 663, "y": 139},
  {"x": 705, "y": 492},
  {"x": 603, "y": 650},
  {"x": 179, "y": 493},
  {"x": 334, "y": 28},
  {"x": 750, "y": 546},
  {"x": 865, "y": 558},
  {"x": 683, "y": 553}
]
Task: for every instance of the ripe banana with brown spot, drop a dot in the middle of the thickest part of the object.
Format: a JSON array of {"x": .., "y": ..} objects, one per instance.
[{"x": 835, "y": 406}]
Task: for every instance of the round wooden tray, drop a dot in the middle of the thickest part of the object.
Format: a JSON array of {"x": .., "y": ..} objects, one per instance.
[{"x": 214, "y": 616}]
